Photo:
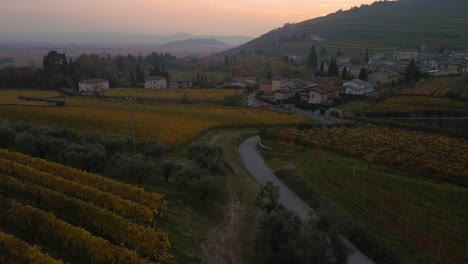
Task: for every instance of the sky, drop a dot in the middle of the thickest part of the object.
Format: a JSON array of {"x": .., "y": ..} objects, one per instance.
[{"x": 201, "y": 17}]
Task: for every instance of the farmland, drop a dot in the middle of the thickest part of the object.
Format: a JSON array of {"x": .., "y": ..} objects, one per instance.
[
  {"x": 437, "y": 87},
  {"x": 439, "y": 157},
  {"x": 175, "y": 95},
  {"x": 414, "y": 103},
  {"x": 173, "y": 124},
  {"x": 68, "y": 213},
  {"x": 423, "y": 220},
  {"x": 11, "y": 96}
]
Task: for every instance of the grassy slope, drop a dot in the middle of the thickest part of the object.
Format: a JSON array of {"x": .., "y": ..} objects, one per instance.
[
  {"x": 192, "y": 224},
  {"x": 380, "y": 27},
  {"x": 436, "y": 212}
]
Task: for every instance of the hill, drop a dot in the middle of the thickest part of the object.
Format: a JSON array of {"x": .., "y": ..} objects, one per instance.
[
  {"x": 94, "y": 38},
  {"x": 381, "y": 26},
  {"x": 198, "y": 42}
]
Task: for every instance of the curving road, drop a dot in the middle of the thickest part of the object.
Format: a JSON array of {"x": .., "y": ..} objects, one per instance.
[{"x": 255, "y": 164}]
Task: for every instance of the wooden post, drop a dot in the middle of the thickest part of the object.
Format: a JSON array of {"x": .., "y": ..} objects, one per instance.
[
  {"x": 440, "y": 246},
  {"x": 432, "y": 222},
  {"x": 381, "y": 201}
]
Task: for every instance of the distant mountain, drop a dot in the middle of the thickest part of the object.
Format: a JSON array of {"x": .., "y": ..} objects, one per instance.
[
  {"x": 198, "y": 42},
  {"x": 92, "y": 38},
  {"x": 381, "y": 26}
]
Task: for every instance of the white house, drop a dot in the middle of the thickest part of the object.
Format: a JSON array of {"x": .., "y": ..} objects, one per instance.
[
  {"x": 323, "y": 94},
  {"x": 94, "y": 85},
  {"x": 357, "y": 86},
  {"x": 156, "y": 82}
]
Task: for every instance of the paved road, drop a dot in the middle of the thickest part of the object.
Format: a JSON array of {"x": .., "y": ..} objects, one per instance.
[{"x": 255, "y": 164}]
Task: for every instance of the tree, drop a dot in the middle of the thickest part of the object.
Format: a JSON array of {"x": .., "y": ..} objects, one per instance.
[
  {"x": 167, "y": 169},
  {"x": 208, "y": 157},
  {"x": 412, "y": 72},
  {"x": 153, "y": 150},
  {"x": 26, "y": 143},
  {"x": 363, "y": 75},
  {"x": 323, "y": 53},
  {"x": 333, "y": 69},
  {"x": 281, "y": 237},
  {"x": 312, "y": 58},
  {"x": 7, "y": 135},
  {"x": 197, "y": 181},
  {"x": 54, "y": 65},
  {"x": 267, "y": 198},
  {"x": 115, "y": 143},
  {"x": 321, "y": 71},
  {"x": 366, "y": 56},
  {"x": 136, "y": 166},
  {"x": 344, "y": 73}
]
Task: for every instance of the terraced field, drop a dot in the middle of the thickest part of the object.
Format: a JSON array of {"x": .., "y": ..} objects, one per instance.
[
  {"x": 436, "y": 87},
  {"x": 55, "y": 213}
]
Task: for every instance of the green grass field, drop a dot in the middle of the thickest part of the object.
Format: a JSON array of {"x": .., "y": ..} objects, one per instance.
[{"x": 426, "y": 222}]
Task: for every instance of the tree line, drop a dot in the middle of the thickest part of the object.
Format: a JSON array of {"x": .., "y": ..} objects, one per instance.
[
  {"x": 203, "y": 176},
  {"x": 60, "y": 70}
]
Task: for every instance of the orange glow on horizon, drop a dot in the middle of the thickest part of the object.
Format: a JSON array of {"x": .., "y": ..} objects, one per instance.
[{"x": 226, "y": 17}]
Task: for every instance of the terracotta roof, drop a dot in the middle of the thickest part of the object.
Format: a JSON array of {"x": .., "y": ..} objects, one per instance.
[
  {"x": 155, "y": 78},
  {"x": 93, "y": 81},
  {"x": 326, "y": 88}
]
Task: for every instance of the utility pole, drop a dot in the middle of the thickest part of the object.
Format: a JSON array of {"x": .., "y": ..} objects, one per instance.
[{"x": 132, "y": 110}]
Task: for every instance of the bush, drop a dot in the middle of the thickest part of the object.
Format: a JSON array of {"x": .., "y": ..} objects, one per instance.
[
  {"x": 7, "y": 135},
  {"x": 208, "y": 157},
  {"x": 27, "y": 143},
  {"x": 233, "y": 100},
  {"x": 198, "y": 182}
]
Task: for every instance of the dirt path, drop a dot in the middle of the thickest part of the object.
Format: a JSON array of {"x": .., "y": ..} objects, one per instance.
[
  {"x": 227, "y": 242},
  {"x": 222, "y": 245}
]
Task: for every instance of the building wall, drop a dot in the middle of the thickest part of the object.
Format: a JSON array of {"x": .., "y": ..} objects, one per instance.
[
  {"x": 180, "y": 84},
  {"x": 93, "y": 87},
  {"x": 349, "y": 90},
  {"x": 156, "y": 84},
  {"x": 315, "y": 98},
  {"x": 405, "y": 55},
  {"x": 276, "y": 85},
  {"x": 266, "y": 88}
]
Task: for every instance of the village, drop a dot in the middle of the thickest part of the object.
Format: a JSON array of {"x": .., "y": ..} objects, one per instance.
[{"x": 319, "y": 92}]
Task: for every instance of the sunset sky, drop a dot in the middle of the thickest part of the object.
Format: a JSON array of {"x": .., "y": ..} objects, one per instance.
[{"x": 221, "y": 17}]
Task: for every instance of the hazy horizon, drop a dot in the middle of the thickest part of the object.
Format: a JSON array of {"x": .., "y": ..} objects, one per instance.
[{"x": 206, "y": 17}]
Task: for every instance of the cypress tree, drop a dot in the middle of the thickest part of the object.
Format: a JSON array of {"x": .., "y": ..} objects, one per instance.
[
  {"x": 312, "y": 58},
  {"x": 344, "y": 74},
  {"x": 333, "y": 69},
  {"x": 412, "y": 72},
  {"x": 363, "y": 74}
]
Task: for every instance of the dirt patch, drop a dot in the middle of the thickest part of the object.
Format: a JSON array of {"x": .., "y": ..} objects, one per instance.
[{"x": 223, "y": 244}]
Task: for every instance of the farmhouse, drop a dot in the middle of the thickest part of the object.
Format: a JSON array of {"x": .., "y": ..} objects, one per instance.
[
  {"x": 265, "y": 86},
  {"x": 289, "y": 88},
  {"x": 323, "y": 94},
  {"x": 180, "y": 84},
  {"x": 94, "y": 85},
  {"x": 155, "y": 82},
  {"x": 405, "y": 54},
  {"x": 358, "y": 87}
]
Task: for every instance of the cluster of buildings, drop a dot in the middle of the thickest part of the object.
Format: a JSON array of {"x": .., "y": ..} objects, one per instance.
[
  {"x": 315, "y": 91},
  {"x": 97, "y": 85}
]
